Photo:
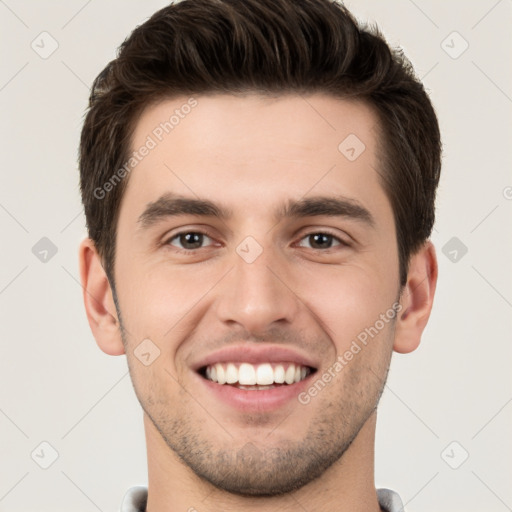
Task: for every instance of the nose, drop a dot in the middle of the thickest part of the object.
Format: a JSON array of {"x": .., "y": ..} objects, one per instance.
[{"x": 258, "y": 294}]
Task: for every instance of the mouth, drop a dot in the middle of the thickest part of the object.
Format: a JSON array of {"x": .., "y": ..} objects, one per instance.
[
  {"x": 252, "y": 378},
  {"x": 256, "y": 377}
]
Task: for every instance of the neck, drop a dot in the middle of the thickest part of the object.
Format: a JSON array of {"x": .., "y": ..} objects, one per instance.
[{"x": 348, "y": 485}]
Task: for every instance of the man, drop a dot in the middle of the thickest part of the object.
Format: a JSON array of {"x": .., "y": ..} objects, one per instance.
[{"x": 259, "y": 180}]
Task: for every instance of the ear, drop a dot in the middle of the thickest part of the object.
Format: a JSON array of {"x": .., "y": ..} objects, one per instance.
[
  {"x": 416, "y": 299},
  {"x": 99, "y": 301}
]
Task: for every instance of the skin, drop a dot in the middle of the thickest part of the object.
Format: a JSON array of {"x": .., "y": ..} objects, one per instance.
[{"x": 252, "y": 154}]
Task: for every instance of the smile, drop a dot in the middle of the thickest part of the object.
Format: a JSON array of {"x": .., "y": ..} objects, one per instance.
[{"x": 256, "y": 377}]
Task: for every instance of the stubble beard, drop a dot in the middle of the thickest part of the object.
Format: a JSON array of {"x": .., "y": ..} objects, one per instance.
[{"x": 255, "y": 471}]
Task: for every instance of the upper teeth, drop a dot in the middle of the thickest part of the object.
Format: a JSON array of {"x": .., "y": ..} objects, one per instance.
[{"x": 262, "y": 374}]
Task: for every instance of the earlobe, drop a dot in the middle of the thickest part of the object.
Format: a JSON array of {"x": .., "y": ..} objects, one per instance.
[
  {"x": 416, "y": 299},
  {"x": 98, "y": 300}
]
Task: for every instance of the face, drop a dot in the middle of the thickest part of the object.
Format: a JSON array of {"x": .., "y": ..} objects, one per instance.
[{"x": 256, "y": 256}]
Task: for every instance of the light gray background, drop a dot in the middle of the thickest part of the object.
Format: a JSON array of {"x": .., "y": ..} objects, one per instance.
[{"x": 58, "y": 387}]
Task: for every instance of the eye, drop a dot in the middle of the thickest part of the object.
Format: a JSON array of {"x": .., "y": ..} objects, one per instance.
[
  {"x": 189, "y": 240},
  {"x": 322, "y": 240}
]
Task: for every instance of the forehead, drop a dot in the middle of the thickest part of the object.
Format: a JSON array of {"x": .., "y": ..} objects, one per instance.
[
  {"x": 224, "y": 120},
  {"x": 254, "y": 150}
]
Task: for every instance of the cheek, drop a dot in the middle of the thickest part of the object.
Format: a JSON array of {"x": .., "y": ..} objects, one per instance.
[
  {"x": 348, "y": 300},
  {"x": 162, "y": 301}
]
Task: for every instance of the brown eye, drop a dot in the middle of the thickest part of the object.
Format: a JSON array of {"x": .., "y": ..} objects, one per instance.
[
  {"x": 322, "y": 240},
  {"x": 189, "y": 240}
]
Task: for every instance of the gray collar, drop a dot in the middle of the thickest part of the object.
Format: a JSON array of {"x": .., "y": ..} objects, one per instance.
[{"x": 136, "y": 498}]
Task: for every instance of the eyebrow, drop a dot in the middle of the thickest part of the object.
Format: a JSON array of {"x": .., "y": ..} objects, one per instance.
[{"x": 172, "y": 205}]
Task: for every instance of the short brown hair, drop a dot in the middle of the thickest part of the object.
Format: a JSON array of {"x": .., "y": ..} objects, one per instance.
[{"x": 270, "y": 47}]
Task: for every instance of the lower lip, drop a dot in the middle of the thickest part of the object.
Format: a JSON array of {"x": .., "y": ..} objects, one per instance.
[{"x": 254, "y": 400}]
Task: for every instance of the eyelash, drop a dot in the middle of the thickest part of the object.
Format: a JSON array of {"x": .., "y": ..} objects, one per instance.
[{"x": 341, "y": 242}]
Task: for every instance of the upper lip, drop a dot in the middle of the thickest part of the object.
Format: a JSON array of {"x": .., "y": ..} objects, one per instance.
[{"x": 255, "y": 354}]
